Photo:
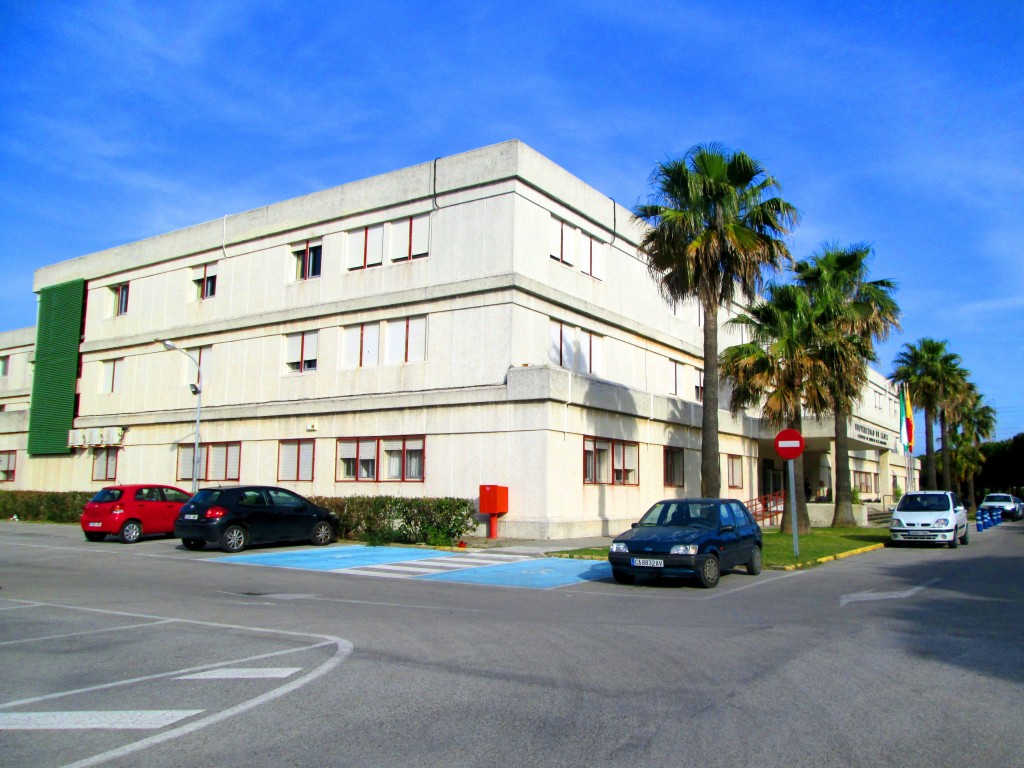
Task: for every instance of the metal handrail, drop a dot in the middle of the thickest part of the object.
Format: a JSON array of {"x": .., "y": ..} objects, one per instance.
[{"x": 766, "y": 509}]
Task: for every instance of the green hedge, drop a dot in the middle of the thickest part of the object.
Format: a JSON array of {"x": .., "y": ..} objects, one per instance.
[
  {"x": 374, "y": 519},
  {"x": 387, "y": 519},
  {"x": 43, "y": 505}
]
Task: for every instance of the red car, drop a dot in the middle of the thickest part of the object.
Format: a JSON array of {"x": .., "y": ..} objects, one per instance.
[{"x": 132, "y": 511}]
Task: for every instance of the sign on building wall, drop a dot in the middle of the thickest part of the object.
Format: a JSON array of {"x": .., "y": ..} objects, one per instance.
[{"x": 870, "y": 434}]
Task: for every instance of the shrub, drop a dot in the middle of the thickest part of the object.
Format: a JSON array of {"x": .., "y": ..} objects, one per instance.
[
  {"x": 45, "y": 506},
  {"x": 379, "y": 520}
]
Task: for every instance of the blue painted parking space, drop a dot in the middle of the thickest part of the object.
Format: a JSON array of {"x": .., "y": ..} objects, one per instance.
[
  {"x": 542, "y": 573},
  {"x": 487, "y": 567}
]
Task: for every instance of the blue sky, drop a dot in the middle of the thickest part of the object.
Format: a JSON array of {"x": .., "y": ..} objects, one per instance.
[{"x": 895, "y": 123}]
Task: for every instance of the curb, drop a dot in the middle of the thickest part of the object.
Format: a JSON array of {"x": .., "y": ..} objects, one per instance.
[{"x": 828, "y": 559}]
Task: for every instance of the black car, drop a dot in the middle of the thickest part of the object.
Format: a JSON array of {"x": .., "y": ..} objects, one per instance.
[
  {"x": 688, "y": 538},
  {"x": 237, "y": 516}
]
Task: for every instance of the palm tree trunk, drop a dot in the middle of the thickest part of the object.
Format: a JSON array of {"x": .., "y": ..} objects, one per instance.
[
  {"x": 931, "y": 482},
  {"x": 947, "y": 454},
  {"x": 842, "y": 516},
  {"x": 971, "y": 503},
  {"x": 710, "y": 458}
]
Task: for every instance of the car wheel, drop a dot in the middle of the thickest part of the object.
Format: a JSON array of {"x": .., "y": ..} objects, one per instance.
[
  {"x": 194, "y": 544},
  {"x": 754, "y": 564},
  {"x": 709, "y": 572},
  {"x": 954, "y": 543},
  {"x": 622, "y": 577},
  {"x": 234, "y": 539},
  {"x": 322, "y": 534},
  {"x": 95, "y": 536},
  {"x": 966, "y": 538},
  {"x": 131, "y": 531}
]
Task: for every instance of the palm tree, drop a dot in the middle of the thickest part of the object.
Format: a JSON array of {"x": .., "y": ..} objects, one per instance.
[
  {"x": 716, "y": 224},
  {"x": 926, "y": 368},
  {"x": 977, "y": 422},
  {"x": 793, "y": 353},
  {"x": 838, "y": 277},
  {"x": 953, "y": 396}
]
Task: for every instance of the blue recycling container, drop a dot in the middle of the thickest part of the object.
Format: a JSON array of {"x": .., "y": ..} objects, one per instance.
[{"x": 979, "y": 520}]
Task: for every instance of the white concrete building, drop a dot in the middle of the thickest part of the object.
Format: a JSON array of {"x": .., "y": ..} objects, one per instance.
[{"x": 482, "y": 319}]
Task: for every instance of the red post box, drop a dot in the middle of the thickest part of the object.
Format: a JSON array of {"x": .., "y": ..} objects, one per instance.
[{"x": 493, "y": 502}]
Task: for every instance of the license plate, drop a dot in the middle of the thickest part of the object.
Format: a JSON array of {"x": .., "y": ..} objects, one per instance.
[
  {"x": 191, "y": 517},
  {"x": 647, "y": 562},
  {"x": 95, "y": 525}
]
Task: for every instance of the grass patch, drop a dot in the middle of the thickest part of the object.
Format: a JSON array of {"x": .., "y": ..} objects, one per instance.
[{"x": 778, "y": 548}]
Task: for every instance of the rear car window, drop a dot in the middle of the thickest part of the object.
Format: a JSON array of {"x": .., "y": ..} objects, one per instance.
[
  {"x": 107, "y": 495},
  {"x": 207, "y": 496},
  {"x": 998, "y": 497}
]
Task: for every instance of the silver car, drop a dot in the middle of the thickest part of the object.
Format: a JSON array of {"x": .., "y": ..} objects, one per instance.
[
  {"x": 932, "y": 516},
  {"x": 1004, "y": 503}
]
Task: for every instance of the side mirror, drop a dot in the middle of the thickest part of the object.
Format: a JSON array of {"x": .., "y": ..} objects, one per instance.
[{"x": 634, "y": 525}]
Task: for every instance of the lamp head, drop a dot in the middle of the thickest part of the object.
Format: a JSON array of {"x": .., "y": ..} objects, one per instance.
[
  {"x": 169, "y": 344},
  {"x": 195, "y": 389}
]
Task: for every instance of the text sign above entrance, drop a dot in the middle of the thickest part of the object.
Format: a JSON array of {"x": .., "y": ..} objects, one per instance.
[{"x": 789, "y": 444}]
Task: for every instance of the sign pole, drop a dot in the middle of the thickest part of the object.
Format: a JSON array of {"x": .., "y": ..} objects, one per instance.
[
  {"x": 789, "y": 444},
  {"x": 792, "y": 506}
]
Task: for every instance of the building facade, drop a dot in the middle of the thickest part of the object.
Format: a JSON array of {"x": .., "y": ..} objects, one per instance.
[{"x": 482, "y": 319}]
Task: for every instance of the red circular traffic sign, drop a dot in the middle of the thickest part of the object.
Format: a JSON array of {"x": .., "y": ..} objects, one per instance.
[{"x": 789, "y": 444}]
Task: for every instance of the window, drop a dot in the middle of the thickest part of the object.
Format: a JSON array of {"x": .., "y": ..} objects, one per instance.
[
  {"x": 120, "y": 298},
  {"x": 406, "y": 340},
  {"x": 582, "y": 352},
  {"x": 361, "y": 345},
  {"x": 295, "y": 460},
  {"x": 611, "y": 462},
  {"x": 862, "y": 482},
  {"x": 112, "y": 373},
  {"x": 104, "y": 463},
  {"x": 204, "y": 277},
  {"x": 409, "y": 238},
  {"x": 365, "y": 247},
  {"x": 735, "y": 471},
  {"x": 5, "y": 365},
  {"x": 217, "y": 461},
  {"x": 7, "y": 465},
  {"x": 389, "y": 459},
  {"x": 301, "y": 351},
  {"x": 307, "y": 260},
  {"x": 571, "y": 246},
  {"x": 674, "y": 465},
  {"x": 698, "y": 389}
]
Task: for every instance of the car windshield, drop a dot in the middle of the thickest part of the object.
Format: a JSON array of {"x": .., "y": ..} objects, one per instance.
[
  {"x": 107, "y": 495},
  {"x": 999, "y": 497},
  {"x": 924, "y": 502},
  {"x": 682, "y": 513}
]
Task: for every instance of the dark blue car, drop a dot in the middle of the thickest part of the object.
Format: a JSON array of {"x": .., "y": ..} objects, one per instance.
[{"x": 688, "y": 538}]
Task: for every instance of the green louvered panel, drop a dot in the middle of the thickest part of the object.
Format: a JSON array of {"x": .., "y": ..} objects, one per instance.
[{"x": 52, "y": 410}]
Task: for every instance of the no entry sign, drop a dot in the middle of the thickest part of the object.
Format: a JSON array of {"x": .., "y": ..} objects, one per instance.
[{"x": 789, "y": 444}]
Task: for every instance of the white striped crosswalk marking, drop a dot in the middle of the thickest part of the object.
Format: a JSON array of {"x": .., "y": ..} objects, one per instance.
[{"x": 413, "y": 568}]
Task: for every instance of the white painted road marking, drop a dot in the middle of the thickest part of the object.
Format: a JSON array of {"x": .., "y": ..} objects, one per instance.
[
  {"x": 242, "y": 673},
  {"x": 123, "y": 720},
  {"x": 872, "y": 595}
]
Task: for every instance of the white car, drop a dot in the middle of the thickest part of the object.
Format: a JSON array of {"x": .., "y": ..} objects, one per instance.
[
  {"x": 935, "y": 516},
  {"x": 1004, "y": 503}
]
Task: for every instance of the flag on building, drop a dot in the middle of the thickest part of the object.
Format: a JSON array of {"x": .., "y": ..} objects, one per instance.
[{"x": 906, "y": 420}]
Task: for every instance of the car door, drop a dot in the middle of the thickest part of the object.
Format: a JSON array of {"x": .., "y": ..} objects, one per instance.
[
  {"x": 147, "y": 507},
  {"x": 256, "y": 512},
  {"x": 960, "y": 513},
  {"x": 294, "y": 517},
  {"x": 173, "y": 499},
  {"x": 729, "y": 539},
  {"x": 746, "y": 530}
]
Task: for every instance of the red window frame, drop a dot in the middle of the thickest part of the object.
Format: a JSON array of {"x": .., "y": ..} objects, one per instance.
[
  {"x": 120, "y": 299},
  {"x": 612, "y": 443},
  {"x": 11, "y": 468},
  {"x": 206, "y": 449},
  {"x": 306, "y": 261},
  {"x": 108, "y": 473},
  {"x": 670, "y": 480},
  {"x": 298, "y": 464},
  {"x": 378, "y": 449}
]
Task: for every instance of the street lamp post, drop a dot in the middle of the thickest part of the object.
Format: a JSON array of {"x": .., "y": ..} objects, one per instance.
[{"x": 197, "y": 390}]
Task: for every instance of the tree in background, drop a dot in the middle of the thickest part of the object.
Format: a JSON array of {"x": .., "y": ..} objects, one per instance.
[
  {"x": 927, "y": 368},
  {"x": 836, "y": 277},
  {"x": 716, "y": 224}
]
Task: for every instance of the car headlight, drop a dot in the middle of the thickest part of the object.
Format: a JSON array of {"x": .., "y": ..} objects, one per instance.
[
  {"x": 683, "y": 549},
  {"x": 942, "y": 522},
  {"x": 618, "y": 546},
  {"x": 896, "y": 523}
]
